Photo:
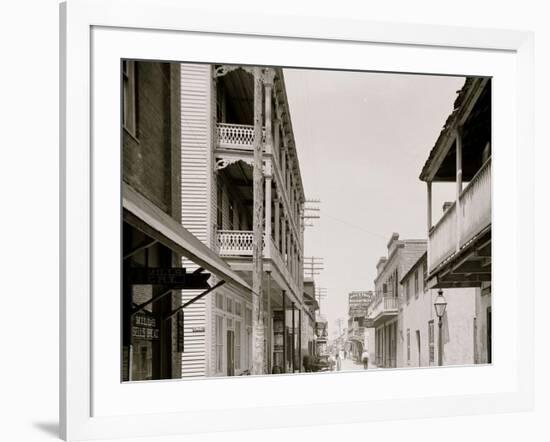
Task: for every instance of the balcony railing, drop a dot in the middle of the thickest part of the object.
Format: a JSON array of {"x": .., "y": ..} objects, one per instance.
[
  {"x": 239, "y": 243},
  {"x": 236, "y": 136},
  {"x": 383, "y": 305},
  {"x": 235, "y": 242},
  {"x": 475, "y": 216}
]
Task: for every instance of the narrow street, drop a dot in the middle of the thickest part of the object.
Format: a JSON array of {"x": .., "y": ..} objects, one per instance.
[{"x": 351, "y": 365}]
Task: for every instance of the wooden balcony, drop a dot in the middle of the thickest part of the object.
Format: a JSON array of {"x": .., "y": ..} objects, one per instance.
[
  {"x": 235, "y": 136},
  {"x": 235, "y": 242},
  {"x": 451, "y": 235},
  {"x": 383, "y": 307},
  {"x": 238, "y": 244}
]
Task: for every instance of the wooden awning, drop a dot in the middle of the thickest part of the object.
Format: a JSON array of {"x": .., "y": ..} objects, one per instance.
[{"x": 151, "y": 220}]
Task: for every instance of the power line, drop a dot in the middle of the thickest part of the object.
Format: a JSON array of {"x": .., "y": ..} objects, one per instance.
[{"x": 355, "y": 226}]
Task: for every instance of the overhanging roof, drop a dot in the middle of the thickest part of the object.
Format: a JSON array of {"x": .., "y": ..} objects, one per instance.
[
  {"x": 473, "y": 114},
  {"x": 149, "y": 218}
]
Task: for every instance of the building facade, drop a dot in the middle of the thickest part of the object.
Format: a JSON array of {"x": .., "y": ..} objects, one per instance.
[
  {"x": 360, "y": 332},
  {"x": 419, "y": 322},
  {"x": 384, "y": 309},
  {"x": 459, "y": 244},
  {"x": 153, "y": 239},
  {"x": 217, "y": 137}
]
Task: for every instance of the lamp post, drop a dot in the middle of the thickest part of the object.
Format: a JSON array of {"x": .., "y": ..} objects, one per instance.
[{"x": 440, "y": 305}]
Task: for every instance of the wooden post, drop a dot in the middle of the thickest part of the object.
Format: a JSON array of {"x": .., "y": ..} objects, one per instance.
[
  {"x": 300, "y": 340},
  {"x": 277, "y": 223},
  {"x": 458, "y": 186},
  {"x": 269, "y": 327},
  {"x": 268, "y": 211},
  {"x": 429, "y": 215},
  {"x": 257, "y": 245},
  {"x": 284, "y": 331},
  {"x": 293, "y": 338},
  {"x": 429, "y": 189},
  {"x": 277, "y": 139}
]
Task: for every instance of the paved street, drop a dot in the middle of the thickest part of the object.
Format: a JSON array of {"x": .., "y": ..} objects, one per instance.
[{"x": 351, "y": 365}]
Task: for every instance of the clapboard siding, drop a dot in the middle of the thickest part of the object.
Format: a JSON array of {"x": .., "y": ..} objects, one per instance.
[{"x": 196, "y": 137}]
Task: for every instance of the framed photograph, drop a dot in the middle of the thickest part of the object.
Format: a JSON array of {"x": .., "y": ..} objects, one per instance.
[{"x": 290, "y": 217}]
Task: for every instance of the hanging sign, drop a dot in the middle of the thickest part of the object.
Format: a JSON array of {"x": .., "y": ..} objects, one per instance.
[
  {"x": 145, "y": 326},
  {"x": 157, "y": 275}
]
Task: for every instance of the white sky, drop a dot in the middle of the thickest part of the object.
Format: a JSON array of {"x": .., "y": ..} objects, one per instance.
[{"x": 362, "y": 139}]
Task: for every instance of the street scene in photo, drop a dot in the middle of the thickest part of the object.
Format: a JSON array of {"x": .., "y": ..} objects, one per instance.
[{"x": 280, "y": 220}]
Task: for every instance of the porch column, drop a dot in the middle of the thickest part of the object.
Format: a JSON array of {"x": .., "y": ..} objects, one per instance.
[
  {"x": 284, "y": 331},
  {"x": 277, "y": 138},
  {"x": 277, "y": 222},
  {"x": 429, "y": 205},
  {"x": 288, "y": 245},
  {"x": 269, "y": 319},
  {"x": 429, "y": 216},
  {"x": 300, "y": 340},
  {"x": 283, "y": 170},
  {"x": 458, "y": 186},
  {"x": 269, "y": 75},
  {"x": 267, "y": 232},
  {"x": 283, "y": 239},
  {"x": 293, "y": 337}
]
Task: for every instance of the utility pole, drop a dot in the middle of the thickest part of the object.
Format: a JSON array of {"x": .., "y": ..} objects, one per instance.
[
  {"x": 310, "y": 211},
  {"x": 320, "y": 293},
  {"x": 313, "y": 266},
  {"x": 257, "y": 219}
]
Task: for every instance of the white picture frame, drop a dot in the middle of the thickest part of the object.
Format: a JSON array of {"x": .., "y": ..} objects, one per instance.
[{"x": 89, "y": 405}]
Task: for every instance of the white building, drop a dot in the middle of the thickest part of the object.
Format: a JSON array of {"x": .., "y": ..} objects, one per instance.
[
  {"x": 419, "y": 323},
  {"x": 217, "y": 134}
]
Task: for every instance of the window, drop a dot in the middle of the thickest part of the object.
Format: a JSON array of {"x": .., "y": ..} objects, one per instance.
[
  {"x": 408, "y": 290},
  {"x": 219, "y": 301},
  {"x": 408, "y": 345},
  {"x": 238, "y": 345},
  {"x": 384, "y": 288},
  {"x": 129, "y": 96},
  {"x": 229, "y": 305},
  {"x": 416, "y": 284},
  {"x": 238, "y": 309},
  {"x": 219, "y": 344},
  {"x": 431, "y": 342}
]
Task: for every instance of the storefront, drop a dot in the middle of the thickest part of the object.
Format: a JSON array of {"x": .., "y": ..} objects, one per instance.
[{"x": 153, "y": 279}]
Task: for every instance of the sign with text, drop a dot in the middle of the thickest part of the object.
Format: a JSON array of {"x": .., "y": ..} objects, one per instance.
[
  {"x": 145, "y": 326},
  {"x": 157, "y": 275},
  {"x": 358, "y": 302}
]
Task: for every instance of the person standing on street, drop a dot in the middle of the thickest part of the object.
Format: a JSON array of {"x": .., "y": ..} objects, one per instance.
[
  {"x": 338, "y": 361},
  {"x": 365, "y": 359}
]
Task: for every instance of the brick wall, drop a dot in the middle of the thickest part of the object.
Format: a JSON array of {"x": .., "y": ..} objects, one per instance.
[{"x": 148, "y": 156}]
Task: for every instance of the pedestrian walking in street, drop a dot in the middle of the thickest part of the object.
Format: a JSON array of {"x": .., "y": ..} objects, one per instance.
[
  {"x": 365, "y": 359},
  {"x": 338, "y": 362}
]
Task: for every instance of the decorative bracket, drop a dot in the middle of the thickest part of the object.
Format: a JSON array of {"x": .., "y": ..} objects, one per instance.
[
  {"x": 225, "y": 69},
  {"x": 222, "y": 163}
]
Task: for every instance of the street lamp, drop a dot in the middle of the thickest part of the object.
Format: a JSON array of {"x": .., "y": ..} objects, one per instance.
[{"x": 440, "y": 305}]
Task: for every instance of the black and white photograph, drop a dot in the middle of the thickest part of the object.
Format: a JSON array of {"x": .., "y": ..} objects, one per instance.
[{"x": 281, "y": 220}]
